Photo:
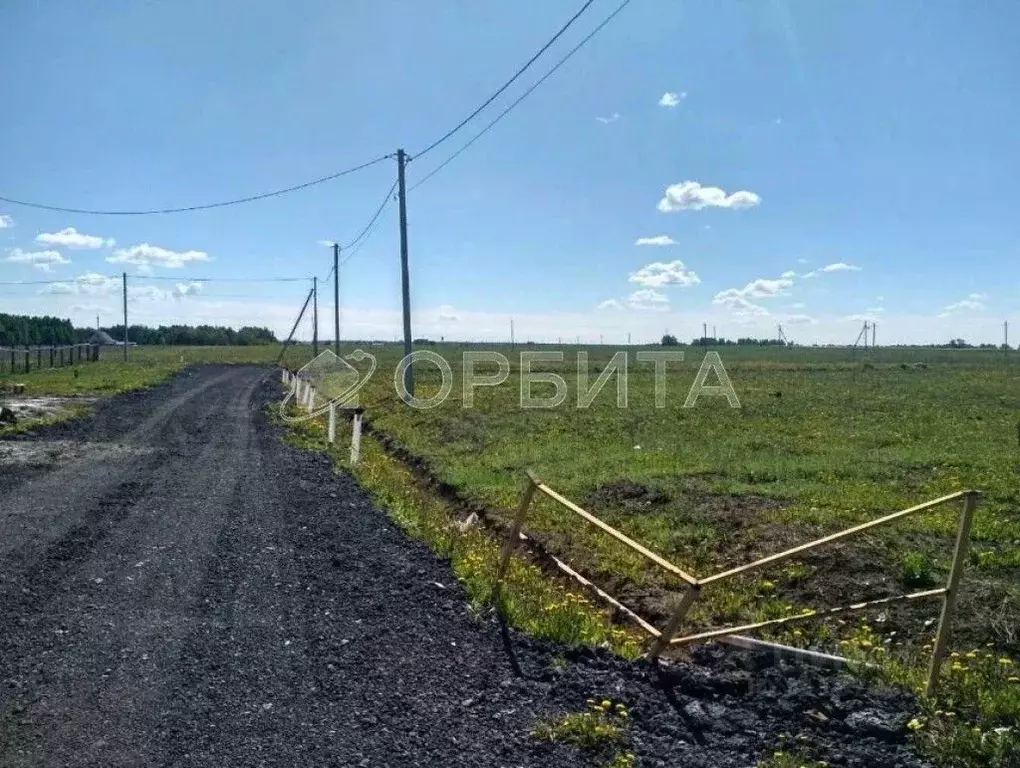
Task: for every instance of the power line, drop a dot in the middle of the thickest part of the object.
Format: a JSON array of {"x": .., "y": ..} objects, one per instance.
[
  {"x": 55, "y": 282},
  {"x": 375, "y": 217},
  {"x": 507, "y": 84},
  {"x": 354, "y": 245},
  {"x": 522, "y": 97},
  {"x": 203, "y": 207},
  {"x": 214, "y": 279}
]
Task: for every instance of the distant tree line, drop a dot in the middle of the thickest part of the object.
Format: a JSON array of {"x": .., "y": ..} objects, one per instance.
[
  {"x": 669, "y": 340},
  {"x": 23, "y": 330},
  {"x": 191, "y": 336}
]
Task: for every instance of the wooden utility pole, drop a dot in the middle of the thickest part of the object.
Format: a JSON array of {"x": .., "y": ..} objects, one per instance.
[
  {"x": 336, "y": 299},
  {"x": 405, "y": 277},
  {"x": 124, "y": 283},
  {"x": 315, "y": 317},
  {"x": 873, "y": 327},
  {"x": 1005, "y": 337},
  {"x": 511, "y": 333}
]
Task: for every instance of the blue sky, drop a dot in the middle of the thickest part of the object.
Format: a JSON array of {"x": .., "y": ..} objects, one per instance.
[{"x": 873, "y": 135}]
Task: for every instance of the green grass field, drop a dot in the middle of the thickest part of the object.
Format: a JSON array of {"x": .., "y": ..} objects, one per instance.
[{"x": 824, "y": 438}]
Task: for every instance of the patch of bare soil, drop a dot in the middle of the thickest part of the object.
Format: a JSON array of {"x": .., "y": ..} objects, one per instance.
[
  {"x": 628, "y": 494},
  {"x": 45, "y": 453},
  {"x": 28, "y": 410}
]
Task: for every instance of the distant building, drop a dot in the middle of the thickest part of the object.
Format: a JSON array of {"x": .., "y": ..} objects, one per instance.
[{"x": 106, "y": 340}]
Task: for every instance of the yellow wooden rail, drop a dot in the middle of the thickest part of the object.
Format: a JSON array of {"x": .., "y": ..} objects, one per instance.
[{"x": 666, "y": 637}]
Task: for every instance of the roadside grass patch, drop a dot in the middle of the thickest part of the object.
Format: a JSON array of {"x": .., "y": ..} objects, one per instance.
[
  {"x": 600, "y": 726},
  {"x": 974, "y": 718},
  {"x": 529, "y": 600},
  {"x": 918, "y": 570}
]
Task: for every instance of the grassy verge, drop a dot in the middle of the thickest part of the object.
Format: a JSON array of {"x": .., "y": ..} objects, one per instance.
[
  {"x": 145, "y": 367},
  {"x": 529, "y": 601}
]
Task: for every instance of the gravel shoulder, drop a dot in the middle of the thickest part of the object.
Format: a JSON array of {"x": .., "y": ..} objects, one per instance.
[{"x": 179, "y": 587}]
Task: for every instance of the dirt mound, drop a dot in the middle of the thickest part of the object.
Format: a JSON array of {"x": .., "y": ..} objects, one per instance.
[{"x": 626, "y": 493}]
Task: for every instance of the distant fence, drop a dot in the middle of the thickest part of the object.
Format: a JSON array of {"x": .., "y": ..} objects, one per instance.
[
  {"x": 28, "y": 359},
  {"x": 667, "y": 636}
]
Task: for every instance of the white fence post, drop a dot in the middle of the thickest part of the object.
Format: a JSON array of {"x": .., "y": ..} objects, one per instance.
[
  {"x": 356, "y": 439},
  {"x": 311, "y": 398},
  {"x": 332, "y": 422}
]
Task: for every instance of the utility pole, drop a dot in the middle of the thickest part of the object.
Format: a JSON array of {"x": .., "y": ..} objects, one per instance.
[
  {"x": 315, "y": 317},
  {"x": 124, "y": 283},
  {"x": 704, "y": 334},
  {"x": 873, "y": 327},
  {"x": 865, "y": 335},
  {"x": 628, "y": 338},
  {"x": 713, "y": 333},
  {"x": 511, "y": 333},
  {"x": 1005, "y": 337},
  {"x": 405, "y": 278},
  {"x": 336, "y": 299}
]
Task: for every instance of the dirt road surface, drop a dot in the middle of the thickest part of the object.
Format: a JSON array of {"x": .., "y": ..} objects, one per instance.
[{"x": 178, "y": 587}]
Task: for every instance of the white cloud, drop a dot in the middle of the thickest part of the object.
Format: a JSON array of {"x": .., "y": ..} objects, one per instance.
[
  {"x": 610, "y": 304},
  {"x": 739, "y": 304},
  {"x": 971, "y": 304},
  {"x": 799, "y": 320},
  {"x": 691, "y": 196},
  {"x": 977, "y": 296},
  {"x": 44, "y": 260},
  {"x": 658, "y": 274},
  {"x": 325, "y": 243},
  {"x": 58, "y": 288},
  {"x": 798, "y": 305},
  {"x": 187, "y": 289},
  {"x": 447, "y": 314},
  {"x": 756, "y": 289},
  {"x": 671, "y": 99},
  {"x": 657, "y": 240},
  {"x": 839, "y": 266},
  {"x": 147, "y": 293},
  {"x": 72, "y": 238},
  {"x": 93, "y": 283},
  {"x": 875, "y": 310},
  {"x": 802, "y": 261},
  {"x": 611, "y": 119},
  {"x": 649, "y": 299},
  {"x": 89, "y": 283},
  {"x": 148, "y": 256},
  {"x": 6, "y": 221},
  {"x": 788, "y": 274}
]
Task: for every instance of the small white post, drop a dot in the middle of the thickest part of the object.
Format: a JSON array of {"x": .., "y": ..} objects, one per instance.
[
  {"x": 283, "y": 375},
  {"x": 332, "y": 422},
  {"x": 356, "y": 439},
  {"x": 311, "y": 398}
]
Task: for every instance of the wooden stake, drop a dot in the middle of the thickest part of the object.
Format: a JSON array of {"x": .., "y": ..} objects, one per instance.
[
  {"x": 356, "y": 439},
  {"x": 952, "y": 590},
  {"x": 332, "y": 425},
  {"x": 674, "y": 622},
  {"x": 511, "y": 539}
]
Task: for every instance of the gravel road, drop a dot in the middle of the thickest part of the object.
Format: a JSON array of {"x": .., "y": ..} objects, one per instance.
[{"x": 178, "y": 587}]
